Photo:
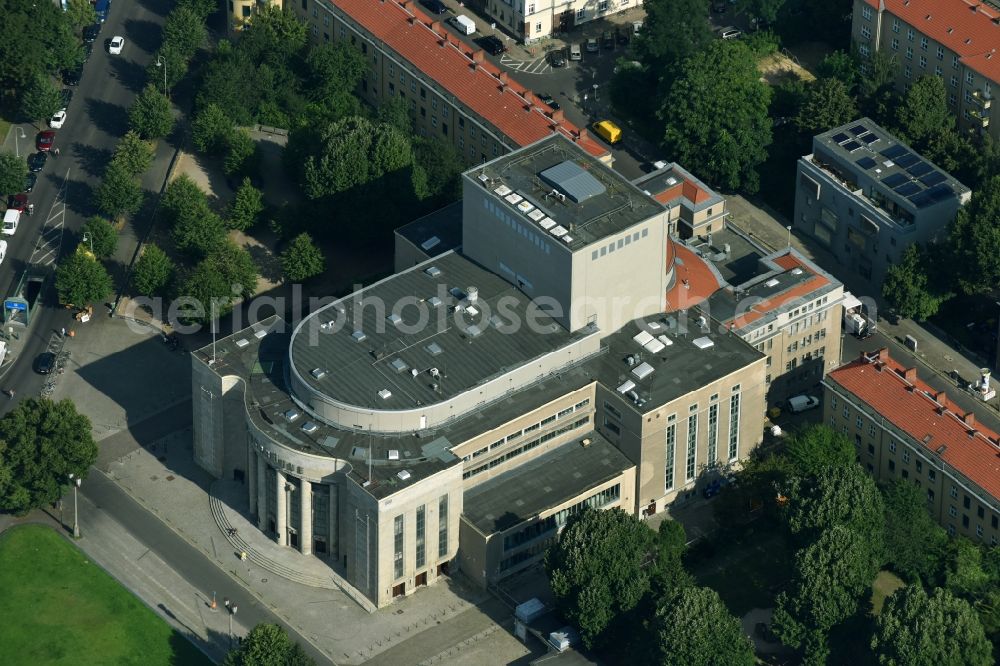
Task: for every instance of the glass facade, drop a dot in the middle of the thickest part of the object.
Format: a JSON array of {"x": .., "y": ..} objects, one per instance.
[
  {"x": 671, "y": 452},
  {"x": 734, "y": 426},
  {"x": 397, "y": 547},
  {"x": 713, "y": 433},
  {"x": 443, "y": 526},
  {"x": 692, "y": 447},
  {"x": 419, "y": 549}
]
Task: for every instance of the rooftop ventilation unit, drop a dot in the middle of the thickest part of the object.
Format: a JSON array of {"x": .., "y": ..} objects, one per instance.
[
  {"x": 642, "y": 370},
  {"x": 430, "y": 243},
  {"x": 318, "y": 373},
  {"x": 385, "y": 394},
  {"x": 434, "y": 301},
  {"x": 434, "y": 372},
  {"x": 567, "y": 239},
  {"x": 513, "y": 198},
  {"x": 414, "y": 373},
  {"x": 471, "y": 311},
  {"x": 547, "y": 223},
  {"x": 398, "y": 364},
  {"x": 631, "y": 360},
  {"x": 665, "y": 340},
  {"x": 433, "y": 271},
  {"x": 703, "y": 342},
  {"x": 558, "y": 231},
  {"x": 403, "y": 475},
  {"x": 359, "y": 336},
  {"x": 309, "y": 427},
  {"x": 291, "y": 415},
  {"x": 626, "y": 387},
  {"x": 472, "y": 294},
  {"x": 796, "y": 271},
  {"x": 474, "y": 331},
  {"x": 241, "y": 343},
  {"x": 434, "y": 349},
  {"x": 654, "y": 346},
  {"x": 394, "y": 319},
  {"x": 773, "y": 282},
  {"x": 502, "y": 190},
  {"x": 260, "y": 334},
  {"x": 393, "y": 454},
  {"x": 573, "y": 180},
  {"x": 671, "y": 181},
  {"x": 525, "y": 207},
  {"x": 483, "y": 178},
  {"x": 642, "y": 337},
  {"x": 536, "y": 215}
]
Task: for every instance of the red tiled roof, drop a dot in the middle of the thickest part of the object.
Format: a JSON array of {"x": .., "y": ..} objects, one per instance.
[
  {"x": 686, "y": 189},
  {"x": 788, "y": 262},
  {"x": 476, "y": 86},
  {"x": 694, "y": 279},
  {"x": 880, "y": 385},
  {"x": 964, "y": 26}
]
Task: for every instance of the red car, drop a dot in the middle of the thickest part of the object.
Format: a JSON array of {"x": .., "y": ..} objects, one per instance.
[
  {"x": 17, "y": 202},
  {"x": 45, "y": 140}
]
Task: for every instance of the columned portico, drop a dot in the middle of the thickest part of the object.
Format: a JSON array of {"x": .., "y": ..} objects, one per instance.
[
  {"x": 281, "y": 509},
  {"x": 261, "y": 494},
  {"x": 252, "y": 481},
  {"x": 305, "y": 506}
]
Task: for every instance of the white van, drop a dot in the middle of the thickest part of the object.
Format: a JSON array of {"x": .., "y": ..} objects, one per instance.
[
  {"x": 465, "y": 25},
  {"x": 801, "y": 403},
  {"x": 3, "y": 250},
  {"x": 575, "y": 52},
  {"x": 11, "y": 219}
]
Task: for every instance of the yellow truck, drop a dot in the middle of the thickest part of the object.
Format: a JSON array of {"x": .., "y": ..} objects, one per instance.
[{"x": 608, "y": 131}]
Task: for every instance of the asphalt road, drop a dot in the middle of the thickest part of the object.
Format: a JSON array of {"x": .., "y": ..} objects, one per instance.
[{"x": 97, "y": 118}]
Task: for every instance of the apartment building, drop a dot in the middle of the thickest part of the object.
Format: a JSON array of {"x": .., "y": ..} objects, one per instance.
[
  {"x": 866, "y": 197},
  {"x": 694, "y": 209},
  {"x": 955, "y": 40},
  {"x": 533, "y": 20},
  {"x": 904, "y": 429},
  {"x": 458, "y": 412},
  {"x": 454, "y": 93},
  {"x": 241, "y": 11}
]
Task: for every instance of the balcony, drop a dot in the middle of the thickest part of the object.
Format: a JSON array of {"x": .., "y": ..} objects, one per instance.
[
  {"x": 981, "y": 117},
  {"x": 981, "y": 98}
]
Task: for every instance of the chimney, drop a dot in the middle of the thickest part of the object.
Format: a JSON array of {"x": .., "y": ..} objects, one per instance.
[
  {"x": 443, "y": 41},
  {"x": 503, "y": 77},
  {"x": 883, "y": 354},
  {"x": 969, "y": 419},
  {"x": 412, "y": 20},
  {"x": 557, "y": 115},
  {"x": 581, "y": 135},
  {"x": 910, "y": 374},
  {"x": 529, "y": 99},
  {"x": 942, "y": 399},
  {"x": 477, "y": 57},
  {"x": 436, "y": 27}
]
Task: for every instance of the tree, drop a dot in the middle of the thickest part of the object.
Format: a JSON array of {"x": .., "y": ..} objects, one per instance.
[
  {"x": 907, "y": 285},
  {"x": 334, "y": 73},
  {"x": 597, "y": 569},
  {"x": 437, "y": 170},
  {"x": 153, "y": 271},
  {"x": 831, "y": 575},
  {"x": 818, "y": 447},
  {"x": 267, "y": 645},
  {"x": 37, "y": 39},
  {"x": 695, "y": 628},
  {"x": 876, "y": 89},
  {"x": 246, "y": 207},
  {"x": 975, "y": 240},
  {"x": 828, "y": 104},
  {"x": 915, "y": 544},
  {"x": 716, "y": 116},
  {"x": 301, "y": 259},
  {"x": 241, "y": 154},
  {"x": 915, "y": 629},
  {"x": 668, "y": 574},
  {"x": 273, "y": 36},
  {"x": 840, "y": 65},
  {"x": 211, "y": 130},
  {"x": 41, "y": 99},
  {"x": 101, "y": 235},
  {"x": 182, "y": 197},
  {"x": 41, "y": 444},
  {"x": 82, "y": 280},
  {"x": 764, "y": 9},
  {"x": 199, "y": 232},
  {"x": 13, "y": 171},
  {"x": 133, "y": 154},
  {"x": 223, "y": 275},
  {"x": 924, "y": 111},
  {"x": 119, "y": 192},
  {"x": 843, "y": 495},
  {"x": 184, "y": 30},
  {"x": 80, "y": 13},
  {"x": 150, "y": 114},
  {"x": 396, "y": 112},
  {"x": 672, "y": 32}
]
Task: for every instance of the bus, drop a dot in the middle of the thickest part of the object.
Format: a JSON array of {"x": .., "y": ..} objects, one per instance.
[{"x": 102, "y": 7}]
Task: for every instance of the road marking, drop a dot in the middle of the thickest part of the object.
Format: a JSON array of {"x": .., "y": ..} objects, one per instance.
[
  {"x": 50, "y": 236},
  {"x": 538, "y": 65}
]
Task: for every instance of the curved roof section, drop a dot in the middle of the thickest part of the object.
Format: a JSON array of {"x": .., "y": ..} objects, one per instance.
[{"x": 694, "y": 281}]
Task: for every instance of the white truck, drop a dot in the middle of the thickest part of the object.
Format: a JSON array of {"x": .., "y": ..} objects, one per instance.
[
  {"x": 465, "y": 25},
  {"x": 857, "y": 321}
]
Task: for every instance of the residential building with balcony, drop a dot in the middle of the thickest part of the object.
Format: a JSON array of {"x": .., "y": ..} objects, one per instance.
[
  {"x": 866, "y": 197},
  {"x": 534, "y": 20},
  {"x": 956, "y": 40},
  {"x": 903, "y": 429}
]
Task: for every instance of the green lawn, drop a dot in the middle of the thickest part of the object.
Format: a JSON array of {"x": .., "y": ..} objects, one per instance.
[
  {"x": 57, "y": 607},
  {"x": 885, "y": 584}
]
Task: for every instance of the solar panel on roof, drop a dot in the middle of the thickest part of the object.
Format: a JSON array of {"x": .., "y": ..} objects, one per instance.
[
  {"x": 866, "y": 163},
  {"x": 895, "y": 180},
  {"x": 851, "y": 146},
  {"x": 858, "y": 130},
  {"x": 907, "y": 189},
  {"x": 907, "y": 160},
  {"x": 869, "y": 138},
  {"x": 892, "y": 152},
  {"x": 939, "y": 192},
  {"x": 933, "y": 178},
  {"x": 840, "y": 137},
  {"x": 921, "y": 200},
  {"x": 919, "y": 169}
]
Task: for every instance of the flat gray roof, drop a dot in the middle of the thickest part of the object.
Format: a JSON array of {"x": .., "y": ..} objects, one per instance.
[
  {"x": 676, "y": 369},
  {"x": 597, "y": 203},
  {"x": 547, "y": 481},
  {"x": 466, "y": 349},
  {"x": 436, "y": 232}
]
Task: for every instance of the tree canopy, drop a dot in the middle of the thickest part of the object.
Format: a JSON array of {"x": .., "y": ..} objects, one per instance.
[
  {"x": 268, "y": 645},
  {"x": 917, "y": 629},
  {"x": 716, "y": 116},
  {"x": 153, "y": 271},
  {"x": 818, "y": 447},
  {"x": 119, "y": 192},
  {"x": 41, "y": 443},
  {"x": 597, "y": 569},
  {"x": 672, "y": 32},
  {"x": 924, "y": 111},
  {"x": 975, "y": 239},
  {"x": 844, "y": 495},
  {"x": 13, "y": 171},
  {"x": 150, "y": 114},
  {"x": 907, "y": 285},
  {"x": 225, "y": 274},
  {"x": 915, "y": 544},
  {"x": 37, "y": 39},
  {"x": 695, "y": 628},
  {"x": 100, "y": 235},
  {"x": 82, "y": 280},
  {"x": 246, "y": 206},
  {"x": 828, "y": 104},
  {"x": 41, "y": 98},
  {"x": 301, "y": 260}
]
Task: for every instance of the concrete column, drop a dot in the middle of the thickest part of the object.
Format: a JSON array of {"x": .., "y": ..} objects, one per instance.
[
  {"x": 281, "y": 526},
  {"x": 305, "y": 511},
  {"x": 261, "y": 493},
  {"x": 334, "y": 545},
  {"x": 252, "y": 479}
]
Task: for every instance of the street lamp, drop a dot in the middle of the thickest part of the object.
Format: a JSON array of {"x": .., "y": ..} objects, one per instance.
[
  {"x": 20, "y": 130},
  {"x": 87, "y": 238},
  {"x": 76, "y": 481},
  {"x": 161, "y": 62},
  {"x": 789, "y": 228}
]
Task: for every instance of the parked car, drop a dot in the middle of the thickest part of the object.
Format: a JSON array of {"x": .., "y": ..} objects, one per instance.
[
  {"x": 29, "y": 181},
  {"x": 67, "y": 97},
  {"x": 91, "y": 32},
  {"x": 116, "y": 45},
  {"x": 574, "y": 52},
  {"x": 17, "y": 202},
  {"x": 45, "y": 363},
  {"x": 58, "y": 119},
  {"x": 622, "y": 35},
  {"x": 557, "y": 58},
  {"x": 37, "y": 162},
  {"x": 71, "y": 77},
  {"x": 548, "y": 100},
  {"x": 715, "y": 487},
  {"x": 11, "y": 218},
  {"x": 801, "y": 403},
  {"x": 731, "y": 33},
  {"x": 592, "y": 45},
  {"x": 435, "y": 6},
  {"x": 44, "y": 140},
  {"x": 492, "y": 45},
  {"x": 608, "y": 39}
]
